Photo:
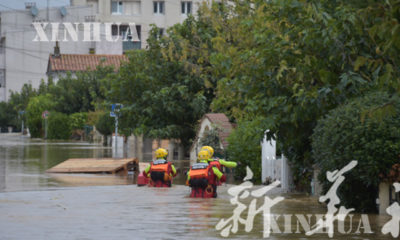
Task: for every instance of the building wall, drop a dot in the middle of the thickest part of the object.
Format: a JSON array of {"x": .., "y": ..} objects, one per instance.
[
  {"x": 140, "y": 12},
  {"x": 24, "y": 60},
  {"x": 204, "y": 126}
]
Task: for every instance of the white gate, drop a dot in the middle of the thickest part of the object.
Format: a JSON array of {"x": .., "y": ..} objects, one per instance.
[{"x": 272, "y": 167}]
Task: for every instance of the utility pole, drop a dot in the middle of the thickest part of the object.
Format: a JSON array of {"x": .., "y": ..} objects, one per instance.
[
  {"x": 45, "y": 115},
  {"x": 115, "y": 112},
  {"x": 21, "y": 113},
  {"x": 48, "y": 13},
  {"x": 116, "y": 132}
]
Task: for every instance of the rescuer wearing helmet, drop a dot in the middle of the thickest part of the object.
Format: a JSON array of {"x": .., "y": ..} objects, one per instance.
[
  {"x": 160, "y": 170},
  {"x": 202, "y": 177},
  {"x": 218, "y": 163},
  {"x": 228, "y": 164}
]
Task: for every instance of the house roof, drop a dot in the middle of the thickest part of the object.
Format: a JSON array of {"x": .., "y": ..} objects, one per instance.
[
  {"x": 220, "y": 120},
  {"x": 83, "y": 62}
]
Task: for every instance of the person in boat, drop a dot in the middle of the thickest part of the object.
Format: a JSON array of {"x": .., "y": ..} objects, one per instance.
[
  {"x": 202, "y": 177},
  {"x": 160, "y": 170}
]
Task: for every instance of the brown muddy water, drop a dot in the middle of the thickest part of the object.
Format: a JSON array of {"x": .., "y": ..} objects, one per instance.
[{"x": 35, "y": 205}]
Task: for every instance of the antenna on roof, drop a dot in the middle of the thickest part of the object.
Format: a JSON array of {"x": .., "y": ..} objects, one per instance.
[
  {"x": 48, "y": 11},
  {"x": 63, "y": 11},
  {"x": 34, "y": 11}
]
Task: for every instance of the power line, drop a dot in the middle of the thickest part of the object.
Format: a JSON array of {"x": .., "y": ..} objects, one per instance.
[{"x": 8, "y": 7}]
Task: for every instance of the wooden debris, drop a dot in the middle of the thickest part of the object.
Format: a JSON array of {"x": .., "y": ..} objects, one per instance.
[{"x": 95, "y": 165}]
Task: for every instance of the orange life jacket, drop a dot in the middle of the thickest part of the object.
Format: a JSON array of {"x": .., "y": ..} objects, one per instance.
[
  {"x": 160, "y": 171},
  {"x": 161, "y": 165},
  {"x": 202, "y": 171},
  {"x": 216, "y": 164}
]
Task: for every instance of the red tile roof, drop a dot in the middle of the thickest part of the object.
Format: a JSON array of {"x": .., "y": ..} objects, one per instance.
[
  {"x": 222, "y": 121},
  {"x": 83, "y": 62}
]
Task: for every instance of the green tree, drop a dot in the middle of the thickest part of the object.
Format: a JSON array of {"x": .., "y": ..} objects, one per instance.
[
  {"x": 59, "y": 126},
  {"x": 105, "y": 124},
  {"x": 78, "y": 120},
  {"x": 81, "y": 93},
  {"x": 347, "y": 133},
  {"x": 34, "y": 111},
  {"x": 245, "y": 146},
  {"x": 161, "y": 98},
  {"x": 20, "y": 100},
  {"x": 8, "y": 116},
  {"x": 291, "y": 62}
]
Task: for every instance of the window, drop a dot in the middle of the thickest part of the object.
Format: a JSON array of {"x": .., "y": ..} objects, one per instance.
[
  {"x": 122, "y": 29},
  {"x": 158, "y": 7},
  {"x": 2, "y": 78},
  {"x": 186, "y": 7},
  {"x": 160, "y": 32},
  {"x": 116, "y": 7},
  {"x": 2, "y": 45}
]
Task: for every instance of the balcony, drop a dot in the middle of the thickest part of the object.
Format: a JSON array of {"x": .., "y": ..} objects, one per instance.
[
  {"x": 129, "y": 45},
  {"x": 2, "y": 59}
]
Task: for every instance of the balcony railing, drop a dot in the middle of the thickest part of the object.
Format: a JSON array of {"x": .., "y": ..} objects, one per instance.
[{"x": 129, "y": 45}]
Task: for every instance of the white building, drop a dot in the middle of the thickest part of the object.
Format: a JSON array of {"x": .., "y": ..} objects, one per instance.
[
  {"x": 23, "y": 60},
  {"x": 143, "y": 13}
]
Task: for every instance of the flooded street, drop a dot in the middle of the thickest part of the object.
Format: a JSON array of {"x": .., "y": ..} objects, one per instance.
[{"x": 35, "y": 205}]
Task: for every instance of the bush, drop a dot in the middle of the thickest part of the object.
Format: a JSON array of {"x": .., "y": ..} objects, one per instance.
[
  {"x": 245, "y": 147},
  {"x": 34, "y": 111},
  {"x": 105, "y": 124},
  {"x": 366, "y": 129},
  {"x": 8, "y": 116},
  {"x": 59, "y": 126},
  {"x": 78, "y": 120}
]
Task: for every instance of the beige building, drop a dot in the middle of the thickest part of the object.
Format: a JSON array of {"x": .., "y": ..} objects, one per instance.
[{"x": 143, "y": 13}]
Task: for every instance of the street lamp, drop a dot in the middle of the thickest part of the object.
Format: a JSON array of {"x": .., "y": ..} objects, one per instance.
[
  {"x": 21, "y": 114},
  {"x": 115, "y": 113}
]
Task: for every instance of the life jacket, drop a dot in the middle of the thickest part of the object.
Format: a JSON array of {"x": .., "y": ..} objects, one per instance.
[
  {"x": 160, "y": 170},
  {"x": 201, "y": 175},
  {"x": 215, "y": 163}
]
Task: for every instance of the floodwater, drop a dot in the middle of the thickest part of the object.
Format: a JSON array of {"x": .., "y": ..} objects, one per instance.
[{"x": 35, "y": 205}]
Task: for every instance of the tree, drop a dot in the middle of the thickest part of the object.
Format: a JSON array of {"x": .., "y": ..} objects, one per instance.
[
  {"x": 78, "y": 120},
  {"x": 349, "y": 133},
  {"x": 105, "y": 124},
  {"x": 59, "y": 126},
  {"x": 8, "y": 116},
  {"x": 19, "y": 100},
  {"x": 82, "y": 93},
  {"x": 291, "y": 62},
  {"x": 245, "y": 146},
  {"x": 37, "y": 105},
  {"x": 161, "y": 98}
]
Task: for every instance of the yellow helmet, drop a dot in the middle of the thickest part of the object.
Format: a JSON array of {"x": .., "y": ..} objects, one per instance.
[
  {"x": 209, "y": 149},
  {"x": 203, "y": 155},
  {"x": 161, "y": 153}
]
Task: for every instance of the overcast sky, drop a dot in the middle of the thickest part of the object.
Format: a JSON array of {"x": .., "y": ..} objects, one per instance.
[{"x": 6, "y": 5}]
